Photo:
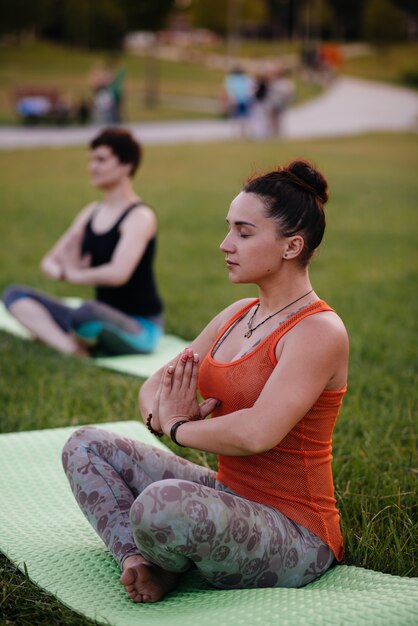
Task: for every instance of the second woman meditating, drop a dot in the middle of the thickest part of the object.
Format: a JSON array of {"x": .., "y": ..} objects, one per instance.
[
  {"x": 109, "y": 246},
  {"x": 273, "y": 373}
]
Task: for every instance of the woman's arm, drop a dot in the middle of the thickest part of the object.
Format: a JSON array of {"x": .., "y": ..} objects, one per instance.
[
  {"x": 136, "y": 231},
  {"x": 313, "y": 357},
  {"x": 67, "y": 247}
]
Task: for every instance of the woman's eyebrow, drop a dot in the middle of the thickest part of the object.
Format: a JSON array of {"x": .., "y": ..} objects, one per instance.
[{"x": 242, "y": 223}]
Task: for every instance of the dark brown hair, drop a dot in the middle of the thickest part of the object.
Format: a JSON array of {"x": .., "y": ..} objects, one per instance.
[
  {"x": 123, "y": 145},
  {"x": 294, "y": 196}
]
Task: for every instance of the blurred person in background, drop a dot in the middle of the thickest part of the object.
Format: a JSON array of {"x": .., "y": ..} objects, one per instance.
[
  {"x": 280, "y": 95},
  {"x": 331, "y": 59},
  {"x": 239, "y": 90},
  {"x": 111, "y": 246},
  {"x": 311, "y": 63},
  {"x": 116, "y": 88},
  {"x": 259, "y": 110},
  {"x": 107, "y": 84}
]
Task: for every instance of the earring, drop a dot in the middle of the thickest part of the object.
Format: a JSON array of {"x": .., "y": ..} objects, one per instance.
[{"x": 285, "y": 255}]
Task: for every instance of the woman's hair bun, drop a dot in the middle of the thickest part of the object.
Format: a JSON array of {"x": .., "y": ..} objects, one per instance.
[{"x": 310, "y": 179}]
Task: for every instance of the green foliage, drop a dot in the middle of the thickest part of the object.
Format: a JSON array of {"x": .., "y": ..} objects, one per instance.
[
  {"x": 393, "y": 64},
  {"x": 383, "y": 23},
  {"x": 99, "y": 25},
  {"x": 20, "y": 15},
  {"x": 217, "y": 15},
  {"x": 410, "y": 77},
  {"x": 317, "y": 17},
  {"x": 365, "y": 270},
  {"x": 146, "y": 14},
  {"x": 90, "y": 24},
  {"x": 347, "y": 18}
]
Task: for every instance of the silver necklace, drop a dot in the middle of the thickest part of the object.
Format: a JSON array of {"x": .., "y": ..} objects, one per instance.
[{"x": 250, "y": 330}]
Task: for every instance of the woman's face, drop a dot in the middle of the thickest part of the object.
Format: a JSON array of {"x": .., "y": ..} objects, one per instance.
[
  {"x": 105, "y": 169},
  {"x": 253, "y": 246}
]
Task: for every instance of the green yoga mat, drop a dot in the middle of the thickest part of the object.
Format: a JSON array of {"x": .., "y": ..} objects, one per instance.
[
  {"x": 42, "y": 527},
  {"x": 143, "y": 365}
]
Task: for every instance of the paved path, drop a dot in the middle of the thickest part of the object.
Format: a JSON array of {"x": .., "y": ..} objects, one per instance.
[
  {"x": 350, "y": 106},
  {"x": 353, "y": 106}
]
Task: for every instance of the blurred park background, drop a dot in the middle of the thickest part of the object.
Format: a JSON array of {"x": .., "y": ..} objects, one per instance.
[{"x": 169, "y": 60}]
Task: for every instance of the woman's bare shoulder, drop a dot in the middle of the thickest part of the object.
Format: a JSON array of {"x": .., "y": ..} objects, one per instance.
[
  {"x": 141, "y": 217},
  {"x": 323, "y": 328}
]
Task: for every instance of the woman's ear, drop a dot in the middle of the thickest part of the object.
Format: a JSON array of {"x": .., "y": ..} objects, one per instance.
[
  {"x": 128, "y": 167},
  {"x": 294, "y": 247}
]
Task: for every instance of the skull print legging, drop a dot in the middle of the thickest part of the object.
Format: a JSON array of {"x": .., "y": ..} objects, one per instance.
[{"x": 143, "y": 500}]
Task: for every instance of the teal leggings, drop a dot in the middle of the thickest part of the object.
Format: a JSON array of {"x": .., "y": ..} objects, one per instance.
[
  {"x": 142, "y": 500},
  {"x": 103, "y": 329}
]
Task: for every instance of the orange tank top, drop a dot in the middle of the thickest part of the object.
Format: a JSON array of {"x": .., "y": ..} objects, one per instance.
[{"x": 295, "y": 476}]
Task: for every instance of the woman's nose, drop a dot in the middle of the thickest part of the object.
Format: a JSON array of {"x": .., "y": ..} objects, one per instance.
[{"x": 227, "y": 245}]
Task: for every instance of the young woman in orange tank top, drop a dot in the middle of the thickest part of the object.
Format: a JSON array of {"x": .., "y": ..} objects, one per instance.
[{"x": 272, "y": 372}]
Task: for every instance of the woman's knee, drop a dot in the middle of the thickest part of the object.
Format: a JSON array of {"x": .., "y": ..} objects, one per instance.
[
  {"x": 12, "y": 294},
  {"x": 85, "y": 312},
  {"x": 79, "y": 440},
  {"x": 161, "y": 500},
  {"x": 167, "y": 509}
]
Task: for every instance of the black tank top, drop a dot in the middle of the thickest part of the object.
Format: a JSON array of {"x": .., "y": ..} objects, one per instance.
[{"x": 139, "y": 295}]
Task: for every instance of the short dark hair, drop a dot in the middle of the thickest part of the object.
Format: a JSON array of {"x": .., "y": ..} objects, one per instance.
[
  {"x": 123, "y": 145},
  {"x": 294, "y": 196}
]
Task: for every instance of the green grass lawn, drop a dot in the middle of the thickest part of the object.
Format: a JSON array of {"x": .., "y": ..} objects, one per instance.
[
  {"x": 390, "y": 64},
  {"x": 366, "y": 269}
]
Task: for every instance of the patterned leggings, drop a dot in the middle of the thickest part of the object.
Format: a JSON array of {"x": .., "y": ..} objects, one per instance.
[{"x": 143, "y": 500}]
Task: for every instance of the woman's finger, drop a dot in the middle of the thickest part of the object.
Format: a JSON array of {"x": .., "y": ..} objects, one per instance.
[
  {"x": 179, "y": 372},
  {"x": 195, "y": 371},
  {"x": 187, "y": 381},
  {"x": 185, "y": 362},
  {"x": 207, "y": 406},
  {"x": 166, "y": 381}
]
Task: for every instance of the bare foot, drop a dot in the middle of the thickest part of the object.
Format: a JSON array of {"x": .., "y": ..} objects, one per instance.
[
  {"x": 146, "y": 582},
  {"x": 80, "y": 351}
]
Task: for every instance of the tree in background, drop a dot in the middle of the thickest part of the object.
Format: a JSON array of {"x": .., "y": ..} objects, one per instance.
[
  {"x": 383, "y": 23},
  {"x": 93, "y": 24},
  {"x": 104, "y": 23},
  {"x": 316, "y": 18},
  {"x": 214, "y": 14},
  {"x": 149, "y": 15},
  {"x": 347, "y": 18},
  {"x": 88, "y": 24},
  {"x": 20, "y": 17},
  {"x": 100, "y": 24},
  {"x": 410, "y": 8}
]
